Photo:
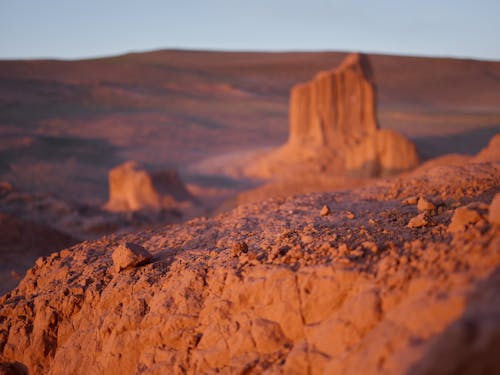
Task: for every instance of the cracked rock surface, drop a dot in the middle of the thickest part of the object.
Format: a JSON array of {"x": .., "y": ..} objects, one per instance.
[{"x": 278, "y": 288}]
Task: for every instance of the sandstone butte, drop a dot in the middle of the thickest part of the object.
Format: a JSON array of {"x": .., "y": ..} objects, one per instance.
[
  {"x": 132, "y": 188},
  {"x": 333, "y": 125},
  {"x": 278, "y": 288}
]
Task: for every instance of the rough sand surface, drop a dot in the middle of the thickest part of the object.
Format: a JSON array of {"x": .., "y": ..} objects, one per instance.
[{"x": 280, "y": 287}]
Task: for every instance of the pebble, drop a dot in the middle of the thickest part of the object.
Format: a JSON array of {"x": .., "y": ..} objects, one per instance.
[
  {"x": 424, "y": 205},
  {"x": 417, "y": 221},
  {"x": 128, "y": 255},
  {"x": 411, "y": 201},
  {"x": 325, "y": 211}
]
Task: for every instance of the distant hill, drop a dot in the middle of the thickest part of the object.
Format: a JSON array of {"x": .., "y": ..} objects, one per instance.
[{"x": 76, "y": 119}]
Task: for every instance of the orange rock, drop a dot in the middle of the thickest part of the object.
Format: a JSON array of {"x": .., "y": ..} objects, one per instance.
[
  {"x": 462, "y": 217},
  {"x": 325, "y": 210},
  {"x": 129, "y": 255},
  {"x": 494, "y": 210},
  {"x": 425, "y": 205},
  {"x": 193, "y": 311},
  {"x": 418, "y": 221},
  {"x": 490, "y": 152},
  {"x": 411, "y": 201},
  {"x": 383, "y": 153},
  {"x": 336, "y": 108},
  {"x": 133, "y": 188},
  {"x": 334, "y": 128}
]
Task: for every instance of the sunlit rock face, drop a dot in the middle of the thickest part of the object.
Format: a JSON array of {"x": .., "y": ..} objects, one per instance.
[
  {"x": 133, "y": 188},
  {"x": 336, "y": 108},
  {"x": 382, "y": 153},
  {"x": 491, "y": 152},
  {"x": 335, "y": 114},
  {"x": 279, "y": 287}
]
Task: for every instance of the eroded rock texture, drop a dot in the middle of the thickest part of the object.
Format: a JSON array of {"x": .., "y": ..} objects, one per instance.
[
  {"x": 356, "y": 291},
  {"x": 333, "y": 126},
  {"x": 337, "y": 108},
  {"x": 133, "y": 188},
  {"x": 383, "y": 153},
  {"x": 491, "y": 152}
]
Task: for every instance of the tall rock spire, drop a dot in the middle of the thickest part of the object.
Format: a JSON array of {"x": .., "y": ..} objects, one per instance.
[
  {"x": 337, "y": 108},
  {"x": 334, "y": 129}
]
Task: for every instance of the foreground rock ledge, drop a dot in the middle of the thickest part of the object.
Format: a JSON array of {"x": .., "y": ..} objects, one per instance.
[{"x": 309, "y": 295}]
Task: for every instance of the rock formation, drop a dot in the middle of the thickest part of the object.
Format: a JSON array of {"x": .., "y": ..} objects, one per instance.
[
  {"x": 337, "y": 108},
  {"x": 333, "y": 126},
  {"x": 490, "y": 152},
  {"x": 383, "y": 153},
  {"x": 278, "y": 288},
  {"x": 132, "y": 188}
]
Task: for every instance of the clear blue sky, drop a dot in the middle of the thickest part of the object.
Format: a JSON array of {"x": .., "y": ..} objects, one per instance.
[{"x": 77, "y": 29}]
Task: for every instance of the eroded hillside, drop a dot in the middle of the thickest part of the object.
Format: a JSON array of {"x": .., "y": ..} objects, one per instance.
[{"x": 399, "y": 277}]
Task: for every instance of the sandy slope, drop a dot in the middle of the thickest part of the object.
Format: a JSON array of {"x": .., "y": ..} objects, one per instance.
[{"x": 278, "y": 288}]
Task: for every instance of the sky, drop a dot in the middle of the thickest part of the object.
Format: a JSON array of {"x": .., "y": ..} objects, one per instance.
[{"x": 73, "y": 29}]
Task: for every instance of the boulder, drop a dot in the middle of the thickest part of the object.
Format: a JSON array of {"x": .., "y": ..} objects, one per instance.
[
  {"x": 490, "y": 152},
  {"x": 132, "y": 188},
  {"x": 380, "y": 154},
  {"x": 129, "y": 255}
]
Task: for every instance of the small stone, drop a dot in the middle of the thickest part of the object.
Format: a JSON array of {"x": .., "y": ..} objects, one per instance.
[
  {"x": 344, "y": 260},
  {"x": 494, "y": 211},
  {"x": 462, "y": 217},
  {"x": 358, "y": 252},
  {"x": 65, "y": 253},
  {"x": 129, "y": 255},
  {"x": 325, "y": 211},
  {"x": 411, "y": 201},
  {"x": 424, "y": 205},
  {"x": 40, "y": 262},
  {"x": 349, "y": 215},
  {"x": 417, "y": 221},
  {"x": 372, "y": 246},
  {"x": 306, "y": 239},
  {"x": 239, "y": 248},
  {"x": 343, "y": 249}
]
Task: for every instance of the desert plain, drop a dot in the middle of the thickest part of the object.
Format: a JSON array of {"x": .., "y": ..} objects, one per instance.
[{"x": 194, "y": 212}]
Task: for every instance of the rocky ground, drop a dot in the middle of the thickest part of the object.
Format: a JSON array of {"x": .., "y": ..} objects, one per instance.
[{"x": 398, "y": 277}]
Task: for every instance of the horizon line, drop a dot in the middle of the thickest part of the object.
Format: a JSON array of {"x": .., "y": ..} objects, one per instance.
[{"x": 250, "y": 51}]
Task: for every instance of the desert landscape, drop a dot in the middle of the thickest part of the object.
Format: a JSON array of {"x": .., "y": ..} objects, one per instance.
[{"x": 196, "y": 212}]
